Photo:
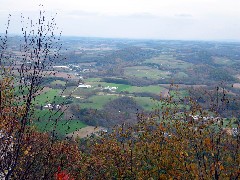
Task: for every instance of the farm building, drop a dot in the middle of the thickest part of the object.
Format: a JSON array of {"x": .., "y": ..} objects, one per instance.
[{"x": 84, "y": 86}]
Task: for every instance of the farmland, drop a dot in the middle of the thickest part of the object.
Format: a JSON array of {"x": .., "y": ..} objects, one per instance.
[
  {"x": 155, "y": 89},
  {"x": 47, "y": 97},
  {"x": 107, "y": 86},
  {"x": 146, "y": 72},
  {"x": 97, "y": 101},
  {"x": 169, "y": 62},
  {"x": 48, "y": 121}
]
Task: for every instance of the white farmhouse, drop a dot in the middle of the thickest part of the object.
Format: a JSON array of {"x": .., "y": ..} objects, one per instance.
[{"x": 84, "y": 86}]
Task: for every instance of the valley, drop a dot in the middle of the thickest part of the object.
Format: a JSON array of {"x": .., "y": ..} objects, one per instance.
[{"x": 106, "y": 82}]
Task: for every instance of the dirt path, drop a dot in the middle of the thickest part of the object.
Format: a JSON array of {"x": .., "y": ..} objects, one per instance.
[
  {"x": 85, "y": 132},
  {"x": 165, "y": 93},
  {"x": 236, "y": 85}
]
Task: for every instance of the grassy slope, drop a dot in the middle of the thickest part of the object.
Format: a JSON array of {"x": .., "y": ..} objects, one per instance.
[
  {"x": 169, "y": 62},
  {"x": 97, "y": 102},
  {"x": 58, "y": 82},
  {"x": 146, "y": 102},
  {"x": 155, "y": 89},
  {"x": 47, "y": 120},
  {"x": 145, "y": 72},
  {"x": 47, "y": 97}
]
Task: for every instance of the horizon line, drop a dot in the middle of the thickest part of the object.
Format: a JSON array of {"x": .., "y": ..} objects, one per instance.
[{"x": 139, "y": 38}]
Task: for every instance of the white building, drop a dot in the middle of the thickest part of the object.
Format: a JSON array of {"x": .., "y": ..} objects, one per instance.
[
  {"x": 84, "y": 86},
  {"x": 110, "y": 88}
]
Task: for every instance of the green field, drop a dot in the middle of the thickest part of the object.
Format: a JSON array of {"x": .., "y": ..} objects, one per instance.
[
  {"x": 222, "y": 61},
  {"x": 147, "y": 103},
  {"x": 47, "y": 97},
  {"x": 93, "y": 79},
  {"x": 169, "y": 62},
  {"x": 146, "y": 72},
  {"x": 23, "y": 91},
  {"x": 69, "y": 90},
  {"x": 155, "y": 89},
  {"x": 120, "y": 87},
  {"x": 97, "y": 101},
  {"x": 47, "y": 121},
  {"x": 75, "y": 91},
  {"x": 180, "y": 75},
  {"x": 45, "y": 115},
  {"x": 58, "y": 82}
]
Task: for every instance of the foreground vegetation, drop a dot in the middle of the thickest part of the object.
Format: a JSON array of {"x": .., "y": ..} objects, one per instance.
[{"x": 160, "y": 145}]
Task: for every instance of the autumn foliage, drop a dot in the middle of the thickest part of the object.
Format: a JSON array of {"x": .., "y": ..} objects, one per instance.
[{"x": 173, "y": 149}]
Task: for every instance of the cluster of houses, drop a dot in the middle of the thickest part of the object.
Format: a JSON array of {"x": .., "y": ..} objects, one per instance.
[
  {"x": 197, "y": 117},
  {"x": 230, "y": 131},
  {"x": 52, "y": 106},
  {"x": 81, "y": 85},
  {"x": 73, "y": 67},
  {"x": 110, "y": 88}
]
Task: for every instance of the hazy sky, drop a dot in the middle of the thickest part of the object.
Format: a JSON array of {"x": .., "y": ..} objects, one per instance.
[{"x": 158, "y": 19}]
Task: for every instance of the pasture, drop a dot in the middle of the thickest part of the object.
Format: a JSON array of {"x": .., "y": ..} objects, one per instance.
[
  {"x": 222, "y": 61},
  {"x": 58, "y": 82},
  {"x": 169, "y": 62},
  {"x": 47, "y": 121},
  {"x": 180, "y": 75},
  {"x": 121, "y": 87},
  {"x": 147, "y": 103},
  {"x": 47, "y": 97},
  {"x": 93, "y": 79},
  {"x": 146, "y": 72},
  {"x": 96, "y": 101},
  {"x": 155, "y": 89}
]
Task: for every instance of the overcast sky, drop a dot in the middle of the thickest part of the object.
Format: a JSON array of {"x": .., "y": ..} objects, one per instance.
[{"x": 151, "y": 19}]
